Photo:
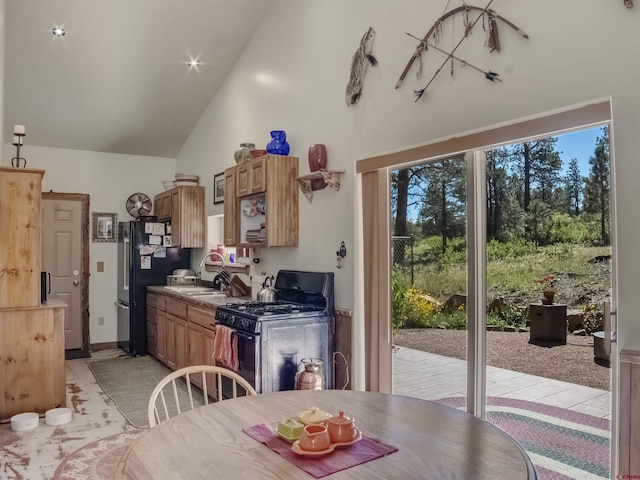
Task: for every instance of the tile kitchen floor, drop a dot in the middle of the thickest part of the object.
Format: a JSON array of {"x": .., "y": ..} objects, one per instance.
[{"x": 37, "y": 453}]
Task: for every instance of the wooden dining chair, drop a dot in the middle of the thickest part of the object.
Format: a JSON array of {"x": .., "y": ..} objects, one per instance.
[{"x": 176, "y": 392}]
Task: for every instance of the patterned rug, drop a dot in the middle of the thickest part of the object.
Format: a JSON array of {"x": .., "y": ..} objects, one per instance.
[
  {"x": 99, "y": 460},
  {"x": 561, "y": 443}
]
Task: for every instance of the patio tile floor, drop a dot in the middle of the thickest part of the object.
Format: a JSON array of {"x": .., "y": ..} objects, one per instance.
[{"x": 429, "y": 376}]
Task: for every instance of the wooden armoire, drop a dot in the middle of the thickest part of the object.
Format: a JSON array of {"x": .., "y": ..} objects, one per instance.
[{"x": 32, "y": 371}]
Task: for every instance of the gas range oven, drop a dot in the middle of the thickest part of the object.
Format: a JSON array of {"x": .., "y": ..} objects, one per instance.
[{"x": 273, "y": 337}]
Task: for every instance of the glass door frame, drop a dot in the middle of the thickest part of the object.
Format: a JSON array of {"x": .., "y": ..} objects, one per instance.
[{"x": 372, "y": 362}]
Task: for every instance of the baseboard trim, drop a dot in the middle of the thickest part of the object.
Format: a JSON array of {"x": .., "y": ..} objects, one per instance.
[{"x": 96, "y": 347}]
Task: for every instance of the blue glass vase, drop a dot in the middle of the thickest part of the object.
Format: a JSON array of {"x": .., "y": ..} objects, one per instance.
[{"x": 278, "y": 144}]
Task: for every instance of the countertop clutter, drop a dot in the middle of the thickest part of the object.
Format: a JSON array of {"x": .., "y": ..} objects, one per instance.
[{"x": 203, "y": 299}]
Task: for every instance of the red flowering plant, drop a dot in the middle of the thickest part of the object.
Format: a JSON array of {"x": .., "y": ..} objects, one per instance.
[{"x": 548, "y": 283}]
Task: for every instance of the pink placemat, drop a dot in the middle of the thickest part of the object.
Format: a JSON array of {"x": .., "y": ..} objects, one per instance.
[{"x": 340, "y": 459}]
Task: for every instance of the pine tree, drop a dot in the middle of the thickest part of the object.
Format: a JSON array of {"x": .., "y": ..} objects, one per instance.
[
  {"x": 598, "y": 185},
  {"x": 574, "y": 183}
]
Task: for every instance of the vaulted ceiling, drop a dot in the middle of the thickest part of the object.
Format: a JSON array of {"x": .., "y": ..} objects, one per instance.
[{"x": 118, "y": 80}]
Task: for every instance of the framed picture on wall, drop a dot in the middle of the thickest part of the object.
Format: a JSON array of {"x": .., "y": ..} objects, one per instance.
[
  {"x": 105, "y": 227},
  {"x": 218, "y": 188}
]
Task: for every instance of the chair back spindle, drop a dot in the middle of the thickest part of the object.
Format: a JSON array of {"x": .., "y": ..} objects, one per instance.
[{"x": 174, "y": 394}]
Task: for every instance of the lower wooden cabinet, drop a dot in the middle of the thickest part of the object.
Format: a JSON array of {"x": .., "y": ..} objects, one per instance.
[
  {"x": 161, "y": 336},
  {"x": 201, "y": 352},
  {"x": 152, "y": 325},
  {"x": 32, "y": 368},
  {"x": 180, "y": 342},
  {"x": 184, "y": 334}
]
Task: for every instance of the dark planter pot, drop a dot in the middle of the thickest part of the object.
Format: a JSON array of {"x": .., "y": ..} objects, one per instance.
[{"x": 600, "y": 354}]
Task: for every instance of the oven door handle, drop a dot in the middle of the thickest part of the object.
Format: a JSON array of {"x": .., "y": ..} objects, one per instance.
[{"x": 243, "y": 335}]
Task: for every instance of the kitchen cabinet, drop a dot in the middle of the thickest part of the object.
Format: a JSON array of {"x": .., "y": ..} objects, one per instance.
[
  {"x": 32, "y": 371},
  {"x": 200, "y": 345},
  {"x": 251, "y": 177},
  {"x": 169, "y": 341},
  {"x": 264, "y": 210},
  {"x": 152, "y": 326},
  {"x": 20, "y": 236},
  {"x": 185, "y": 334},
  {"x": 175, "y": 333},
  {"x": 162, "y": 206},
  {"x": 183, "y": 208},
  {"x": 230, "y": 207},
  {"x": 180, "y": 342}
]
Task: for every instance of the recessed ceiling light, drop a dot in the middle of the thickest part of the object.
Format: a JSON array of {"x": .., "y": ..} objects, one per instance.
[
  {"x": 58, "y": 31},
  {"x": 194, "y": 63}
]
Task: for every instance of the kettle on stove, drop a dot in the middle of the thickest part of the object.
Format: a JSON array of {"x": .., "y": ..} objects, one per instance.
[{"x": 267, "y": 293}]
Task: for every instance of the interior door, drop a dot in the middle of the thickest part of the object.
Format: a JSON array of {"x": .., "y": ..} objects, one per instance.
[{"x": 62, "y": 258}]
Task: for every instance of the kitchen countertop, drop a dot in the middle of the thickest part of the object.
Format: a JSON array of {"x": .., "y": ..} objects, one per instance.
[{"x": 207, "y": 301}]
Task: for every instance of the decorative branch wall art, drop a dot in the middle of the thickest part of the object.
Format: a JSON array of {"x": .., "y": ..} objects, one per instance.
[
  {"x": 493, "y": 76},
  {"x": 359, "y": 63},
  {"x": 490, "y": 20}
]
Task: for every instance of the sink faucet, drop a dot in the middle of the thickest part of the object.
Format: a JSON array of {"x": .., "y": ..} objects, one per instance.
[
  {"x": 209, "y": 255},
  {"x": 223, "y": 273}
]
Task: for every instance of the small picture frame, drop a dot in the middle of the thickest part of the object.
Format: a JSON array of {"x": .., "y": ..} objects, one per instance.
[
  {"x": 218, "y": 188},
  {"x": 105, "y": 227}
]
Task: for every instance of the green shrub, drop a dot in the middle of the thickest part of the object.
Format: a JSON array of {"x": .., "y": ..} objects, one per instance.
[
  {"x": 411, "y": 308},
  {"x": 456, "y": 320},
  {"x": 508, "y": 316},
  {"x": 592, "y": 319},
  {"x": 514, "y": 249}
]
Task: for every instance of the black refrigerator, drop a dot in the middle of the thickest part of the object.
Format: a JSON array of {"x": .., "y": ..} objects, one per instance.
[{"x": 141, "y": 264}]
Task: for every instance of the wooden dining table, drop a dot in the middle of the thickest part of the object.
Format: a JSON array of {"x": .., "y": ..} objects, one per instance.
[{"x": 433, "y": 441}]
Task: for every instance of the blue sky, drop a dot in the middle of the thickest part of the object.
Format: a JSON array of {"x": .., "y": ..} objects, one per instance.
[{"x": 579, "y": 145}]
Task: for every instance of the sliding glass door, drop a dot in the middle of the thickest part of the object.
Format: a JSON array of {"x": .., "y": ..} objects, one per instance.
[
  {"x": 501, "y": 279},
  {"x": 429, "y": 279}
]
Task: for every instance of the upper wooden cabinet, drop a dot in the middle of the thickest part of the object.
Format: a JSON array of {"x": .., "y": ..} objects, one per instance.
[
  {"x": 230, "y": 207},
  {"x": 183, "y": 207},
  {"x": 20, "y": 236},
  {"x": 262, "y": 209},
  {"x": 251, "y": 177}
]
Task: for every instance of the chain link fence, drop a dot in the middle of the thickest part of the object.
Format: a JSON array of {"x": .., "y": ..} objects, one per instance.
[{"x": 402, "y": 254}]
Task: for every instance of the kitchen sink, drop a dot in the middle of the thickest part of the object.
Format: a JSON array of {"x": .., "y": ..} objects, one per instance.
[
  {"x": 189, "y": 290},
  {"x": 209, "y": 297}
]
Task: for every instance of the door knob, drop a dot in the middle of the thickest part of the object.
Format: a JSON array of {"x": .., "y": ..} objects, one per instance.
[{"x": 76, "y": 282}]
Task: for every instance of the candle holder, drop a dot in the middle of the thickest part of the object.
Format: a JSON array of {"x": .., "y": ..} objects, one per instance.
[{"x": 17, "y": 141}]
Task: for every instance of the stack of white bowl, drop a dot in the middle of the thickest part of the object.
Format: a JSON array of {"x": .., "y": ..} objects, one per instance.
[{"x": 186, "y": 180}]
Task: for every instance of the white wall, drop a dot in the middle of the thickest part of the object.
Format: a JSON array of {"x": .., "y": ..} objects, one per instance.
[
  {"x": 293, "y": 74},
  {"x": 109, "y": 179}
]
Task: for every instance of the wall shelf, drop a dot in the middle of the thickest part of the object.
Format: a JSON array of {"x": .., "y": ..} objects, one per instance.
[
  {"x": 318, "y": 181},
  {"x": 231, "y": 267}
]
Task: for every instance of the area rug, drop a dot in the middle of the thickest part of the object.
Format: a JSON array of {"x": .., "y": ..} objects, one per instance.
[
  {"x": 129, "y": 382},
  {"x": 99, "y": 460},
  {"x": 562, "y": 444}
]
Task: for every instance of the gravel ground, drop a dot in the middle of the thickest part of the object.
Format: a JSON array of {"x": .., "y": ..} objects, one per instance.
[{"x": 572, "y": 362}]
